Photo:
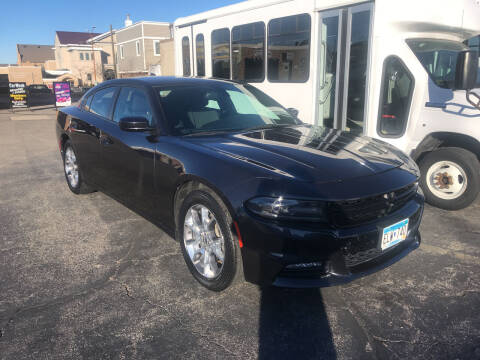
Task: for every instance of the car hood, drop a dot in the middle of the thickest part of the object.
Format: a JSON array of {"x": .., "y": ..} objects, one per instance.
[{"x": 307, "y": 153}]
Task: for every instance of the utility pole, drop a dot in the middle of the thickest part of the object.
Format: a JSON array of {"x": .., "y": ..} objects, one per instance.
[
  {"x": 93, "y": 59},
  {"x": 113, "y": 53}
]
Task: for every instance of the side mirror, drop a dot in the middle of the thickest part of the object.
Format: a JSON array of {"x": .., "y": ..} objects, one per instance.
[
  {"x": 294, "y": 112},
  {"x": 134, "y": 123},
  {"x": 466, "y": 71}
]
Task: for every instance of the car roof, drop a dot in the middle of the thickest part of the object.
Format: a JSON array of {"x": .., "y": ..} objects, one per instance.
[{"x": 167, "y": 80}]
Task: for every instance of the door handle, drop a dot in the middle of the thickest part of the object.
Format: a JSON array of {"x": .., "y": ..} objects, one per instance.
[{"x": 105, "y": 140}]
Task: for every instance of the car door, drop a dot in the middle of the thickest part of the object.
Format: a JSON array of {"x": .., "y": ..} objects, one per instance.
[
  {"x": 128, "y": 157},
  {"x": 85, "y": 132}
]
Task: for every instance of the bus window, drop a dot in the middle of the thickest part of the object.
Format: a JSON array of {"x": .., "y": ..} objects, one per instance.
[
  {"x": 358, "y": 71},
  {"x": 221, "y": 53},
  {"x": 289, "y": 49},
  {"x": 397, "y": 90},
  {"x": 248, "y": 52},
  {"x": 200, "y": 50},
  {"x": 186, "y": 55}
]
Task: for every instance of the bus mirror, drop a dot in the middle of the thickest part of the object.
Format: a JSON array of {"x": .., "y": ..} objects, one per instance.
[{"x": 466, "y": 71}]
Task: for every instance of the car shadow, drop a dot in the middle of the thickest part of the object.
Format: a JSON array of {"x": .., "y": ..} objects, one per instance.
[{"x": 293, "y": 324}]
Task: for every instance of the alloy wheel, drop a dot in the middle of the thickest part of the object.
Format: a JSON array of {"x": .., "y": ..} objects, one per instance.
[
  {"x": 204, "y": 241},
  {"x": 71, "y": 167}
]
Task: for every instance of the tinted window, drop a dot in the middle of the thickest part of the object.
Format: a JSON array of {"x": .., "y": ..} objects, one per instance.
[
  {"x": 132, "y": 102},
  {"x": 186, "y": 55},
  {"x": 224, "y": 107},
  {"x": 102, "y": 102},
  {"x": 357, "y": 79},
  {"x": 439, "y": 58},
  {"x": 289, "y": 48},
  {"x": 248, "y": 52},
  {"x": 81, "y": 56},
  {"x": 397, "y": 89},
  {"x": 221, "y": 53},
  {"x": 200, "y": 50}
]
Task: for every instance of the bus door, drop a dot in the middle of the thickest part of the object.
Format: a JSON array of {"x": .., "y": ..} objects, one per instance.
[{"x": 342, "y": 69}]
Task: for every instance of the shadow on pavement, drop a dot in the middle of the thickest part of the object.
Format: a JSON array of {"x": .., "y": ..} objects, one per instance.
[{"x": 293, "y": 324}]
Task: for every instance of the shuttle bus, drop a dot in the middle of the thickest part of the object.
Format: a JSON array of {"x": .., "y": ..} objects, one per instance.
[{"x": 385, "y": 69}]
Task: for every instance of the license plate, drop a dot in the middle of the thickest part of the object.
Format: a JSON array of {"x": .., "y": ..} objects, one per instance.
[{"x": 394, "y": 234}]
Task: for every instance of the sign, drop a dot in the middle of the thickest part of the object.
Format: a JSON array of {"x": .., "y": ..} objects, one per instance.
[
  {"x": 18, "y": 95},
  {"x": 62, "y": 94}
]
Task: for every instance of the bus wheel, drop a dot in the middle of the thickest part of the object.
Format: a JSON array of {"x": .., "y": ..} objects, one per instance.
[{"x": 450, "y": 178}]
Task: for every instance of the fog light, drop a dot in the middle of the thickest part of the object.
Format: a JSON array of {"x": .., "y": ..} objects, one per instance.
[{"x": 303, "y": 266}]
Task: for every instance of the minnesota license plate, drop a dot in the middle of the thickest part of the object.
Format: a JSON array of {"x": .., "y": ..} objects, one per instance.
[{"x": 394, "y": 234}]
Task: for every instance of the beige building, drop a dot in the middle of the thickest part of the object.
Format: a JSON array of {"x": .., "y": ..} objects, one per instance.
[
  {"x": 28, "y": 74},
  {"x": 85, "y": 62},
  {"x": 144, "y": 48}
]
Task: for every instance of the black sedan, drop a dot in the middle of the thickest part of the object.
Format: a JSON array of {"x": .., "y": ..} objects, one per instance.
[{"x": 247, "y": 189}]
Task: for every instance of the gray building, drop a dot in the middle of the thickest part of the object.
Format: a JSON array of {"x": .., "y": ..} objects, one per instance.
[{"x": 144, "y": 48}]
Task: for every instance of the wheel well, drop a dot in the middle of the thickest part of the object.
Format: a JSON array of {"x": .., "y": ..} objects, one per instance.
[
  {"x": 190, "y": 185},
  {"x": 444, "y": 139},
  {"x": 63, "y": 140}
]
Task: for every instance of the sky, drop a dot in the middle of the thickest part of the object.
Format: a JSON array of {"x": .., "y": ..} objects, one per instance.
[{"x": 35, "y": 21}]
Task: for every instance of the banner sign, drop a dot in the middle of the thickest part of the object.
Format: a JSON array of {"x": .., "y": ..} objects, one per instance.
[
  {"x": 18, "y": 95},
  {"x": 62, "y": 92}
]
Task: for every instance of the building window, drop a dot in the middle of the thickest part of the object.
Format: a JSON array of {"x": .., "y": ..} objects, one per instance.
[
  {"x": 122, "y": 53},
  {"x": 89, "y": 77},
  {"x": 221, "y": 53},
  {"x": 200, "y": 50},
  {"x": 248, "y": 52},
  {"x": 137, "y": 47},
  {"x": 289, "y": 48},
  {"x": 397, "y": 91},
  {"x": 156, "y": 47},
  {"x": 186, "y": 55},
  {"x": 81, "y": 56},
  {"x": 87, "y": 56}
]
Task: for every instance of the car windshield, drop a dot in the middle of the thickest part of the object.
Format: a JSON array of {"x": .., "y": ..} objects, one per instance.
[
  {"x": 214, "y": 107},
  {"x": 439, "y": 58}
]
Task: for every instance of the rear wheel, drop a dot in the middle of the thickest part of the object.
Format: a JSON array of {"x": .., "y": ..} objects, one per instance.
[
  {"x": 450, "y": 178},
  {"x": 207, "y": 242},
  {"x": 72, "y": 171}
]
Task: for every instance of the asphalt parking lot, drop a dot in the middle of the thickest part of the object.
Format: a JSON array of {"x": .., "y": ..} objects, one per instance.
[{"x": 84, "y": 277}]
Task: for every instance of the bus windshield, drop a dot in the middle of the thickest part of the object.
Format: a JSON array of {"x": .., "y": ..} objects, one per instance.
[{"x": 439, "y": 58}]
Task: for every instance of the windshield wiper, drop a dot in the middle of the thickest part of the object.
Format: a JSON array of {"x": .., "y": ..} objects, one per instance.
[
  {"x": 268, "y": 126},
  {"x": 209, "y": 132}
]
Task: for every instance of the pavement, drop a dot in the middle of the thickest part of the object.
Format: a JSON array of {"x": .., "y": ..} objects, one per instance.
[{"x": 84, "y": 277}]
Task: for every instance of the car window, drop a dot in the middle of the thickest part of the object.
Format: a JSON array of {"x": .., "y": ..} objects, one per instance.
[
  {"x": 132, "y": 102},
  {"x": 223, "y": 107},
  {"x": 103, "y": 101}
]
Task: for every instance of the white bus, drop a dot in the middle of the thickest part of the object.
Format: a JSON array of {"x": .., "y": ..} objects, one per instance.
[{"x": 385, "y": 69}]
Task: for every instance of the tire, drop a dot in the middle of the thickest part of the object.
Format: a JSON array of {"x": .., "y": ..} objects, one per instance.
[
  {"x": 220, "y": 223},
  {"x": 450, "y": 178},
  {"x": 70, "y": 168}
]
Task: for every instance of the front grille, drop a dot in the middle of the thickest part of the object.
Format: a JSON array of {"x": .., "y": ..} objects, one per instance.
[
  {"x": 356, "y": 212},
  {"x": 363, "y": 248},
  {"x": 359, "y": 249}
]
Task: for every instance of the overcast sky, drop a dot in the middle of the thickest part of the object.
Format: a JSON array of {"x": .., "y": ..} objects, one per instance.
[{"x": 35, "y": 21}]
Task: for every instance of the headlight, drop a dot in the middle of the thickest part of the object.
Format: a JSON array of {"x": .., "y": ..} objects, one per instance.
[{"x": 288, "y": 209}]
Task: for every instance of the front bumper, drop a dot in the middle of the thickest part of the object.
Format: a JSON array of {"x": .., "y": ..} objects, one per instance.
[{"x": 308, "y": 256}]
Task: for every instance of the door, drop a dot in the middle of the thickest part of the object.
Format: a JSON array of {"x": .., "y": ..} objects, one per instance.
[
  {"x": 128, "y": 157},
  {"x": 86, "y": 131},
  {"x": 343, "y": 67}
]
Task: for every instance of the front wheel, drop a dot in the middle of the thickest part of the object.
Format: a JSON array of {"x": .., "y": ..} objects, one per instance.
[
  {"x": 207, "y": 242},
  {"x": 450, "y": 178}
]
